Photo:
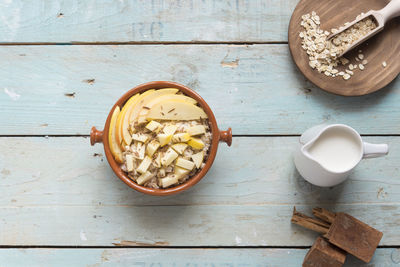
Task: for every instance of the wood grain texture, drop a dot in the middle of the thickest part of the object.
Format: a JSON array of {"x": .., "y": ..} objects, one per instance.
[
  {"x": 383, "y": 47},
  {"x": 254, "y": 171},
  {"x": 255, "y": 89},
  {"x": 146, "y": 257},
  {"x": 211, "y": 225},
  {"x": 59, "y": 192},
  {"x": 64, "y": 21}
]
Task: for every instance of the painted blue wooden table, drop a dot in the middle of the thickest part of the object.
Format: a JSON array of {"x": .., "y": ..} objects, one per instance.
[{"x": 64, "y": 64}]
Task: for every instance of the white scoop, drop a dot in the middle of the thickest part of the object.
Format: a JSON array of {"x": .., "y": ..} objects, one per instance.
[{"x": 380, "y": 17}]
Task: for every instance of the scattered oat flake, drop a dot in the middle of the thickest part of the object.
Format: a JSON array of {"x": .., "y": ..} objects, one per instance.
[
  {"x": 361, "y": 66},
  {"x": 344, "y": 61},
  {"x": 384, "y": 64},
  {"x": 346, "y": 76},
  {"x": 361, "y": 56},
  {"x": 365, "y": 62}
]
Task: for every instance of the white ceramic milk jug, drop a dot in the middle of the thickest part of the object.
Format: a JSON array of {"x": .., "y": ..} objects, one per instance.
[{"x": 327, "y": 153}]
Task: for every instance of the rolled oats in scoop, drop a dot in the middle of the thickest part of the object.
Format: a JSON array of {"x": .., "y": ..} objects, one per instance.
[{"x": 323, "y": 53}]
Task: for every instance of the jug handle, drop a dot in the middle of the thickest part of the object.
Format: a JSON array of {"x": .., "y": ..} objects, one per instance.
[{"x": 375, "y": 150}]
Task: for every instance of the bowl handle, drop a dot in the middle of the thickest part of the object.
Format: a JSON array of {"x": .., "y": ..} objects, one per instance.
[
  {"x": 226, "y": 136},
  {"x": 96, "y": 136}
]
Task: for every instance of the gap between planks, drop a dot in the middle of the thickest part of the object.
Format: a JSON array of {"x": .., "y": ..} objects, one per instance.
[
  {"x": 157, "y": 247},
  {"x": 141, "y": 43},
  {"x": 164, "y": 247},
  {"x": 256, "y": 204},
  {"x": 239, "y": 135}
]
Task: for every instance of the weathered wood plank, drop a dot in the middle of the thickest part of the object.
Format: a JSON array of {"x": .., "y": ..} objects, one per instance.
[
  {"x": 254, "y": 171},
  {"x": 384, "y": 257},
  {"x": 209, "y": 225},
  {"x": 67, "y": 89},
  {"x": 55, "y": 192},
  {"x": 141, "y": 20}
]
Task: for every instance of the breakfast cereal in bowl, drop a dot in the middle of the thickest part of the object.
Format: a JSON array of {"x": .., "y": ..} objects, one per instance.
[{"x": 161, "y": 138}]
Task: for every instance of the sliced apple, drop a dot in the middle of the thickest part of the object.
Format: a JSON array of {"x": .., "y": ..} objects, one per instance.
[
  {"x": 148, "y": 97},
  {"x": 170, "y": 129},
  {"x": 153, "y": 126},
  {"x": 196, "y": 130},
  {"x": 184, "y": 163},
  {"x": 198, "y": 159},
  {"x": 149, "y": 105},
  {"x": 121, "y": 131},
  {"x": 180, "y": 137},
  {"x": 141, "y": 137},
  {"x": 170, "y": 180},
  {"x": 180, "y": 172},
  {"x": 196, "y": 143},
  {"x": 144, "y": 178},
  {"x": 138, "y": 149},
  {"x": 129, "y": 162},
  {"x": 125, "y": 125},
  {"x": 152, "y": 148},
  {"x": 144, "y": 165},
  {"x": 175, "y": 110},
  {"x": 182, "y": 98},
  {"x": 164, "y": 139},
  {"x": 112, "y": 140},
  {"x": 169, "y": 156},
  {"x": 180, "y": 147},
  {"x": 157, "y": 161}
]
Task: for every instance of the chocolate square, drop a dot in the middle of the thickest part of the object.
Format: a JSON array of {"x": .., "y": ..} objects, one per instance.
[
  {"x": 324, "y": 254},
  {"x": 354, "y": 236}
]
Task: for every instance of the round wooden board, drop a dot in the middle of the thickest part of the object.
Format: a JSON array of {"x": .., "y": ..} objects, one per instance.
[{"x": 383, "y": 47}]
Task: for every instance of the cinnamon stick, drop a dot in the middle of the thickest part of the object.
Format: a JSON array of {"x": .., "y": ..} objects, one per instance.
[
  {"x": 324, "y": 214},
  {"x": 310, "y": 223}
]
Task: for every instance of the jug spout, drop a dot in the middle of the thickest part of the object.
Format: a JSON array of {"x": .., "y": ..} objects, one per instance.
[
  {"x": 375, "y": 150},
  {"x": 312, "y": 133}
]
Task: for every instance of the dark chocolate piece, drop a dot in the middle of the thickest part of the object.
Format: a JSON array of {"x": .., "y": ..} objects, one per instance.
[
  {"x": 354, "y": 236},
  {"x": 343, "y": 231},
  {"x": 324, "y": 254}
]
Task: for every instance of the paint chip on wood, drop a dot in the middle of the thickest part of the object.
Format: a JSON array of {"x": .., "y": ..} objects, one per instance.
[
  {"x": 5, "y": 172},
  {"x": 238, "y": 240},
  {"x": 12, "y": 94},
  {"x": 72, "y": 95},
  {"x": 89, "y": 81},
  {"x": 381, "y": 193},
  {"x": 83, "y": 235},
  {"x": 395, "y": 256},
  {"x": 230, "y": 64}
]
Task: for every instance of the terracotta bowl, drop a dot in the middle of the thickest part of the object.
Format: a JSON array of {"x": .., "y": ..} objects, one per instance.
[{"x": 97, "y": 136}]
